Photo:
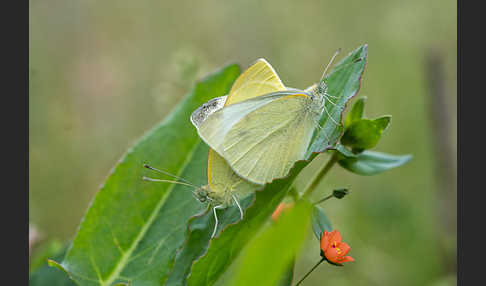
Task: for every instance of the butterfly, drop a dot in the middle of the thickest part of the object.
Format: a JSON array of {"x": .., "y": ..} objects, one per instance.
[
  {"x": 224, "y": 187},
  {"x": 263, "y": 133}
]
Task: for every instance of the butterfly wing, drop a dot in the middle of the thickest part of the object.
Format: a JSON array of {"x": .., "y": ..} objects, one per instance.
[
  {"x": 259, "y": 79},
  {"x": 224, "y": 182},
  {"x": 261, "y": 138},
  {"x": 201, "y": 114}
]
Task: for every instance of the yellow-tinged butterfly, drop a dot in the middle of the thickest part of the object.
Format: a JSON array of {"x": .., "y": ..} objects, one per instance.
[
  {"x": 224, "y": 186},
  {"x": 263, "y": 133}
]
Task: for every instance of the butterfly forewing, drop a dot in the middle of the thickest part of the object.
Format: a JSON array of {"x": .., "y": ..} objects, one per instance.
[
  {"x": 261, "y": 138},
  {"x": 201, "y": 114},
  {"x": 262, "y": 129}
]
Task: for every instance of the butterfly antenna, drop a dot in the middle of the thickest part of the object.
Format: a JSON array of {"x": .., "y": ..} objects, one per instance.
[
  {"x": 168, "y": 181},
  {"x": 166, "y": 173},
  {"x": 239, "y": 207},
  {"x": 330, "y": 62},
  {"x": 216, "y": 218}
]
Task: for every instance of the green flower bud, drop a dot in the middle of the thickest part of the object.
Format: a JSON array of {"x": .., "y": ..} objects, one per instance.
[{"x": 340, "y": 193}]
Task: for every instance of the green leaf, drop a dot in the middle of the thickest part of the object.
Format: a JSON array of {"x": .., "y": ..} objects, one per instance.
[
  {"x": 51, "y": 248},
  {"x": 320, "y": 222},
  {"x": 356, "y": 112},
  {"x": 371, "y": 163},
  {"x": 365, "y": 133},
  {"x": 343, "y": 151},
  {"x": 383, "y": 122},
  {"x": 268, "y": 255},
  {"x": 198, "y": 238},
  {"x": 288, "y": 275},
  {"x": 45, "y": 275},
  {"x": 133, "y": 228},
  {"x": 225, "y": 247},
  {"x": 343, "y": 83}
]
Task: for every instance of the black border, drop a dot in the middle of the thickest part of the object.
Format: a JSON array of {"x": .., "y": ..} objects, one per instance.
[
  {"x": 470, "y": 142},
  {"x": 15, "y": 148}
]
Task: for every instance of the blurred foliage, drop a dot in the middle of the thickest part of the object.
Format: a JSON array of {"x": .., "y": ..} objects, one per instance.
[
  {"x": 269, "y": 253},
  {"x": 102, "y": 73},
  {"x": 42, "y": 274}
]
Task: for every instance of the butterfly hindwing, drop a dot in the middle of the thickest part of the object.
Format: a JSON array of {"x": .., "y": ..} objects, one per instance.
[
  {"x": 224, "y": 182},
  {"x": 259, "y": 79}
]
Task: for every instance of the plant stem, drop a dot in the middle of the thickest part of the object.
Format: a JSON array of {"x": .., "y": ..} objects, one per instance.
[
  {"x": 308, "y": 273},
  {"x": 320, "y": 175},
  {"x": 324, "y": 199}
]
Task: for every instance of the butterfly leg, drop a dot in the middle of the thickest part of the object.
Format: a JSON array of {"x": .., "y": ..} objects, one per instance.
[
  {"x": 216, "y": 218},
  {"x": 325, "y": 134},
  {"x": 239, "y": 207},
  {"x": 330, "y": 117}
]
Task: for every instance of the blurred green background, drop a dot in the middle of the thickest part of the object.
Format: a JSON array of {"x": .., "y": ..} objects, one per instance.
[{"x": 104, "y": 72}]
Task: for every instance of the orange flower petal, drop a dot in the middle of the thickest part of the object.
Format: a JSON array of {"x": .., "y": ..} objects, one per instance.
[
  {"x": 325, "y": 241},
  {"x": 335, "y": 236},
  {"x": 332, "y": 255},
  {"x": 344, "y": 248},
  {"x": 346, "y": 259}
]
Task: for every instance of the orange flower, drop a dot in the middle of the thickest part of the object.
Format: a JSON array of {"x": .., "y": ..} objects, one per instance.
[
  {"x": 333, "y": 249},
  {"x": 281, "y": 208}
]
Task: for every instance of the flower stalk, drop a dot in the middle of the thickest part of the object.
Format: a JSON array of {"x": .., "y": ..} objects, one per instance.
[{"x": 310, "y": 271}]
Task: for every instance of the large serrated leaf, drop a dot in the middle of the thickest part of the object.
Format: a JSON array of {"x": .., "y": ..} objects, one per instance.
[
  {"x": 133, "y": 228},
  {"x": 343, "y": 83}
]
